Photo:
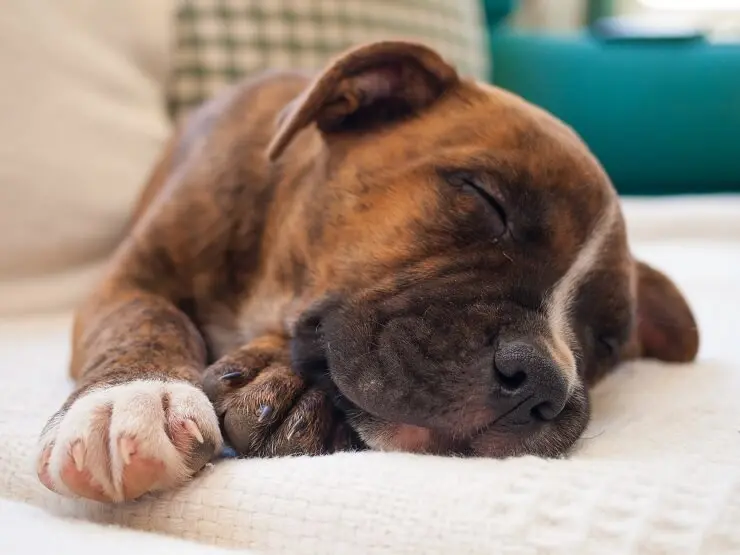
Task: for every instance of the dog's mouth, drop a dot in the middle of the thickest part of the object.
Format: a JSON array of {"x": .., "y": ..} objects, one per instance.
[
  {"x": 310, "y": 362},
  {"x": 462, "y": 424},
  {"x": 314, "y": 369}
]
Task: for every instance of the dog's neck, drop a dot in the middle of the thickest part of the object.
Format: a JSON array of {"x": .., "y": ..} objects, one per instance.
[{"x": 291, "y": 264}]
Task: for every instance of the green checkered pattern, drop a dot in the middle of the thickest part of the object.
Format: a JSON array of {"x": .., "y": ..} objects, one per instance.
[{"x": 219, "y": 41}]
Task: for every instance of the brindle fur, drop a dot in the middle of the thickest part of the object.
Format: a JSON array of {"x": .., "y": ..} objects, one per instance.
[{"x": 284, "y": 197}]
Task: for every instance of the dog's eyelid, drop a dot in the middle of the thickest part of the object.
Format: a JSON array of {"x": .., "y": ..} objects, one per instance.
[
  {"x": 610, "y": 343},
  {"x": 485, "y": 180},
  {"x": 484, "y": 186}
]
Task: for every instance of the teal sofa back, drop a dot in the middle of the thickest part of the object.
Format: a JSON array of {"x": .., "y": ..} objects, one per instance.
[{"x": 663, "y": 116}]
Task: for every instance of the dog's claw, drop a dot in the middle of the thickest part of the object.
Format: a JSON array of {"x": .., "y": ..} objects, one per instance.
[
  {"x": 192, "y": 427},
  {"x": 263, "y": 412},
  {"x": 233, "y": 378},
  {"x": 296, "y": 428},
  {"x": 43, "y": 461},
  {"x": 128, "y": 448},
  {"x": 78, "y": 455}
]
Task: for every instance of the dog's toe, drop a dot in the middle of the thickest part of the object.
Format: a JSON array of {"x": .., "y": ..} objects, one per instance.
[
  {"x": 118, "y": 443},
  {"x": 272, "y": 412}
]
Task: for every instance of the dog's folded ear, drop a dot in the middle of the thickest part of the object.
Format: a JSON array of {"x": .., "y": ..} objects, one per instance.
[
  {"x": 367, "y": 86},
  {"x": 666, "y": 327}
]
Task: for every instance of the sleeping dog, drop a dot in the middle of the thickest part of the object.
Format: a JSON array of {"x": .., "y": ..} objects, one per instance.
[{"x": 387, "y": 255}]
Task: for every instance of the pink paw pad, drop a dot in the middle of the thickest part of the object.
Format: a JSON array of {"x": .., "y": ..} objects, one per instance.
[{"x": 119, "y": 443}]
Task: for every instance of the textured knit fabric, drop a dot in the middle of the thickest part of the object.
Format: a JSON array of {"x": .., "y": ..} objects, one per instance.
[
  {"x": 20, "y": 525},
  {"x": 219, "y": 41},
  {"x": 657, "y": 472}
]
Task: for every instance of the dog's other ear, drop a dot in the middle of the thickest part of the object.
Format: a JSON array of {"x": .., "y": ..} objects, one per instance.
[
  {"x": 665, "y": 325},
  {"x": 366, "y": 86}
]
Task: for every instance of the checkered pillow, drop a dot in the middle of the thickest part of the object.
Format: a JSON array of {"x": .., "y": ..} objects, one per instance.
[{"x": 219, "y": 41}]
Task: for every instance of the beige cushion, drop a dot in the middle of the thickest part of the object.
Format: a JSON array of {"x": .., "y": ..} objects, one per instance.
[{"x": 83, "y": 117}]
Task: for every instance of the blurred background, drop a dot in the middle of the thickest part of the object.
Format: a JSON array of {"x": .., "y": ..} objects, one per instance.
[{"x": 91, "y": 90}]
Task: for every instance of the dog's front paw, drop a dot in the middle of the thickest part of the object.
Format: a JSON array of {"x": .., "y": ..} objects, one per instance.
[
  {"x": 269, "y": 412},
  {"x": 119, "y": 442}
]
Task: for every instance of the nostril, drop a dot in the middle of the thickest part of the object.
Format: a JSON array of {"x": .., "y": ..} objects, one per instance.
[
  {"x": 544, "y": 412},
  {"x": 511, "y": 382},
  {"x": 528, "y": 378},
  {"x": 511, "y": 366}
]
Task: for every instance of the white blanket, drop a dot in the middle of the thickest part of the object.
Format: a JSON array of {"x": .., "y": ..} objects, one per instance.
[
  {"x": 27, "y": 529},
  {"x": 658, "y": 470}
]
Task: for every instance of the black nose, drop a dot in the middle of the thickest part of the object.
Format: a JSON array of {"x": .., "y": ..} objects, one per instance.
[{"x": 529, "y": 386}]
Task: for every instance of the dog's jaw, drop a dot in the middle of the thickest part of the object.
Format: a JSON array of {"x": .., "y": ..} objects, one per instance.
[{"x": 466, "y": 430}]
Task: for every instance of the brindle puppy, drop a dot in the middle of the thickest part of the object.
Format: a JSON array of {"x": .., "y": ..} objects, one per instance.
[{"x": 388, "y": 255}]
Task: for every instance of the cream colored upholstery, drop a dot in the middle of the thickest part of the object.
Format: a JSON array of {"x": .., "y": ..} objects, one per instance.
[{"x": 82, "y": 118}]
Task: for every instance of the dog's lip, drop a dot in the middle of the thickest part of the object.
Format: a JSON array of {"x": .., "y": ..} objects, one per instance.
[
  {"x": 345, "y": 405},
  {"x": 498, "y": 419},
  {"x": 341, "y": 401},
  {"x": 324, "y": 380}
]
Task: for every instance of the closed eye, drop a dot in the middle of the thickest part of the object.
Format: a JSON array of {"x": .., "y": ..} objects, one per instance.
[
  {"x": 608, "y": 346},
  {"x": 495, "y": 213}
]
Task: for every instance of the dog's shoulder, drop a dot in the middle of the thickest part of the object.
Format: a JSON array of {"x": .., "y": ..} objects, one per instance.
[{"x": 213, "y": 178}]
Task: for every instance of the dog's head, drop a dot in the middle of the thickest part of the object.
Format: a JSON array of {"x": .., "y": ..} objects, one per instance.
[{"x": 470, "y": 268}]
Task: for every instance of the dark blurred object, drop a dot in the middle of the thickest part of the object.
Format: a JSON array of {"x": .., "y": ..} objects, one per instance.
[
  {"x": 659, "y": 106},
  {"x": 497, "y": 10}
]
